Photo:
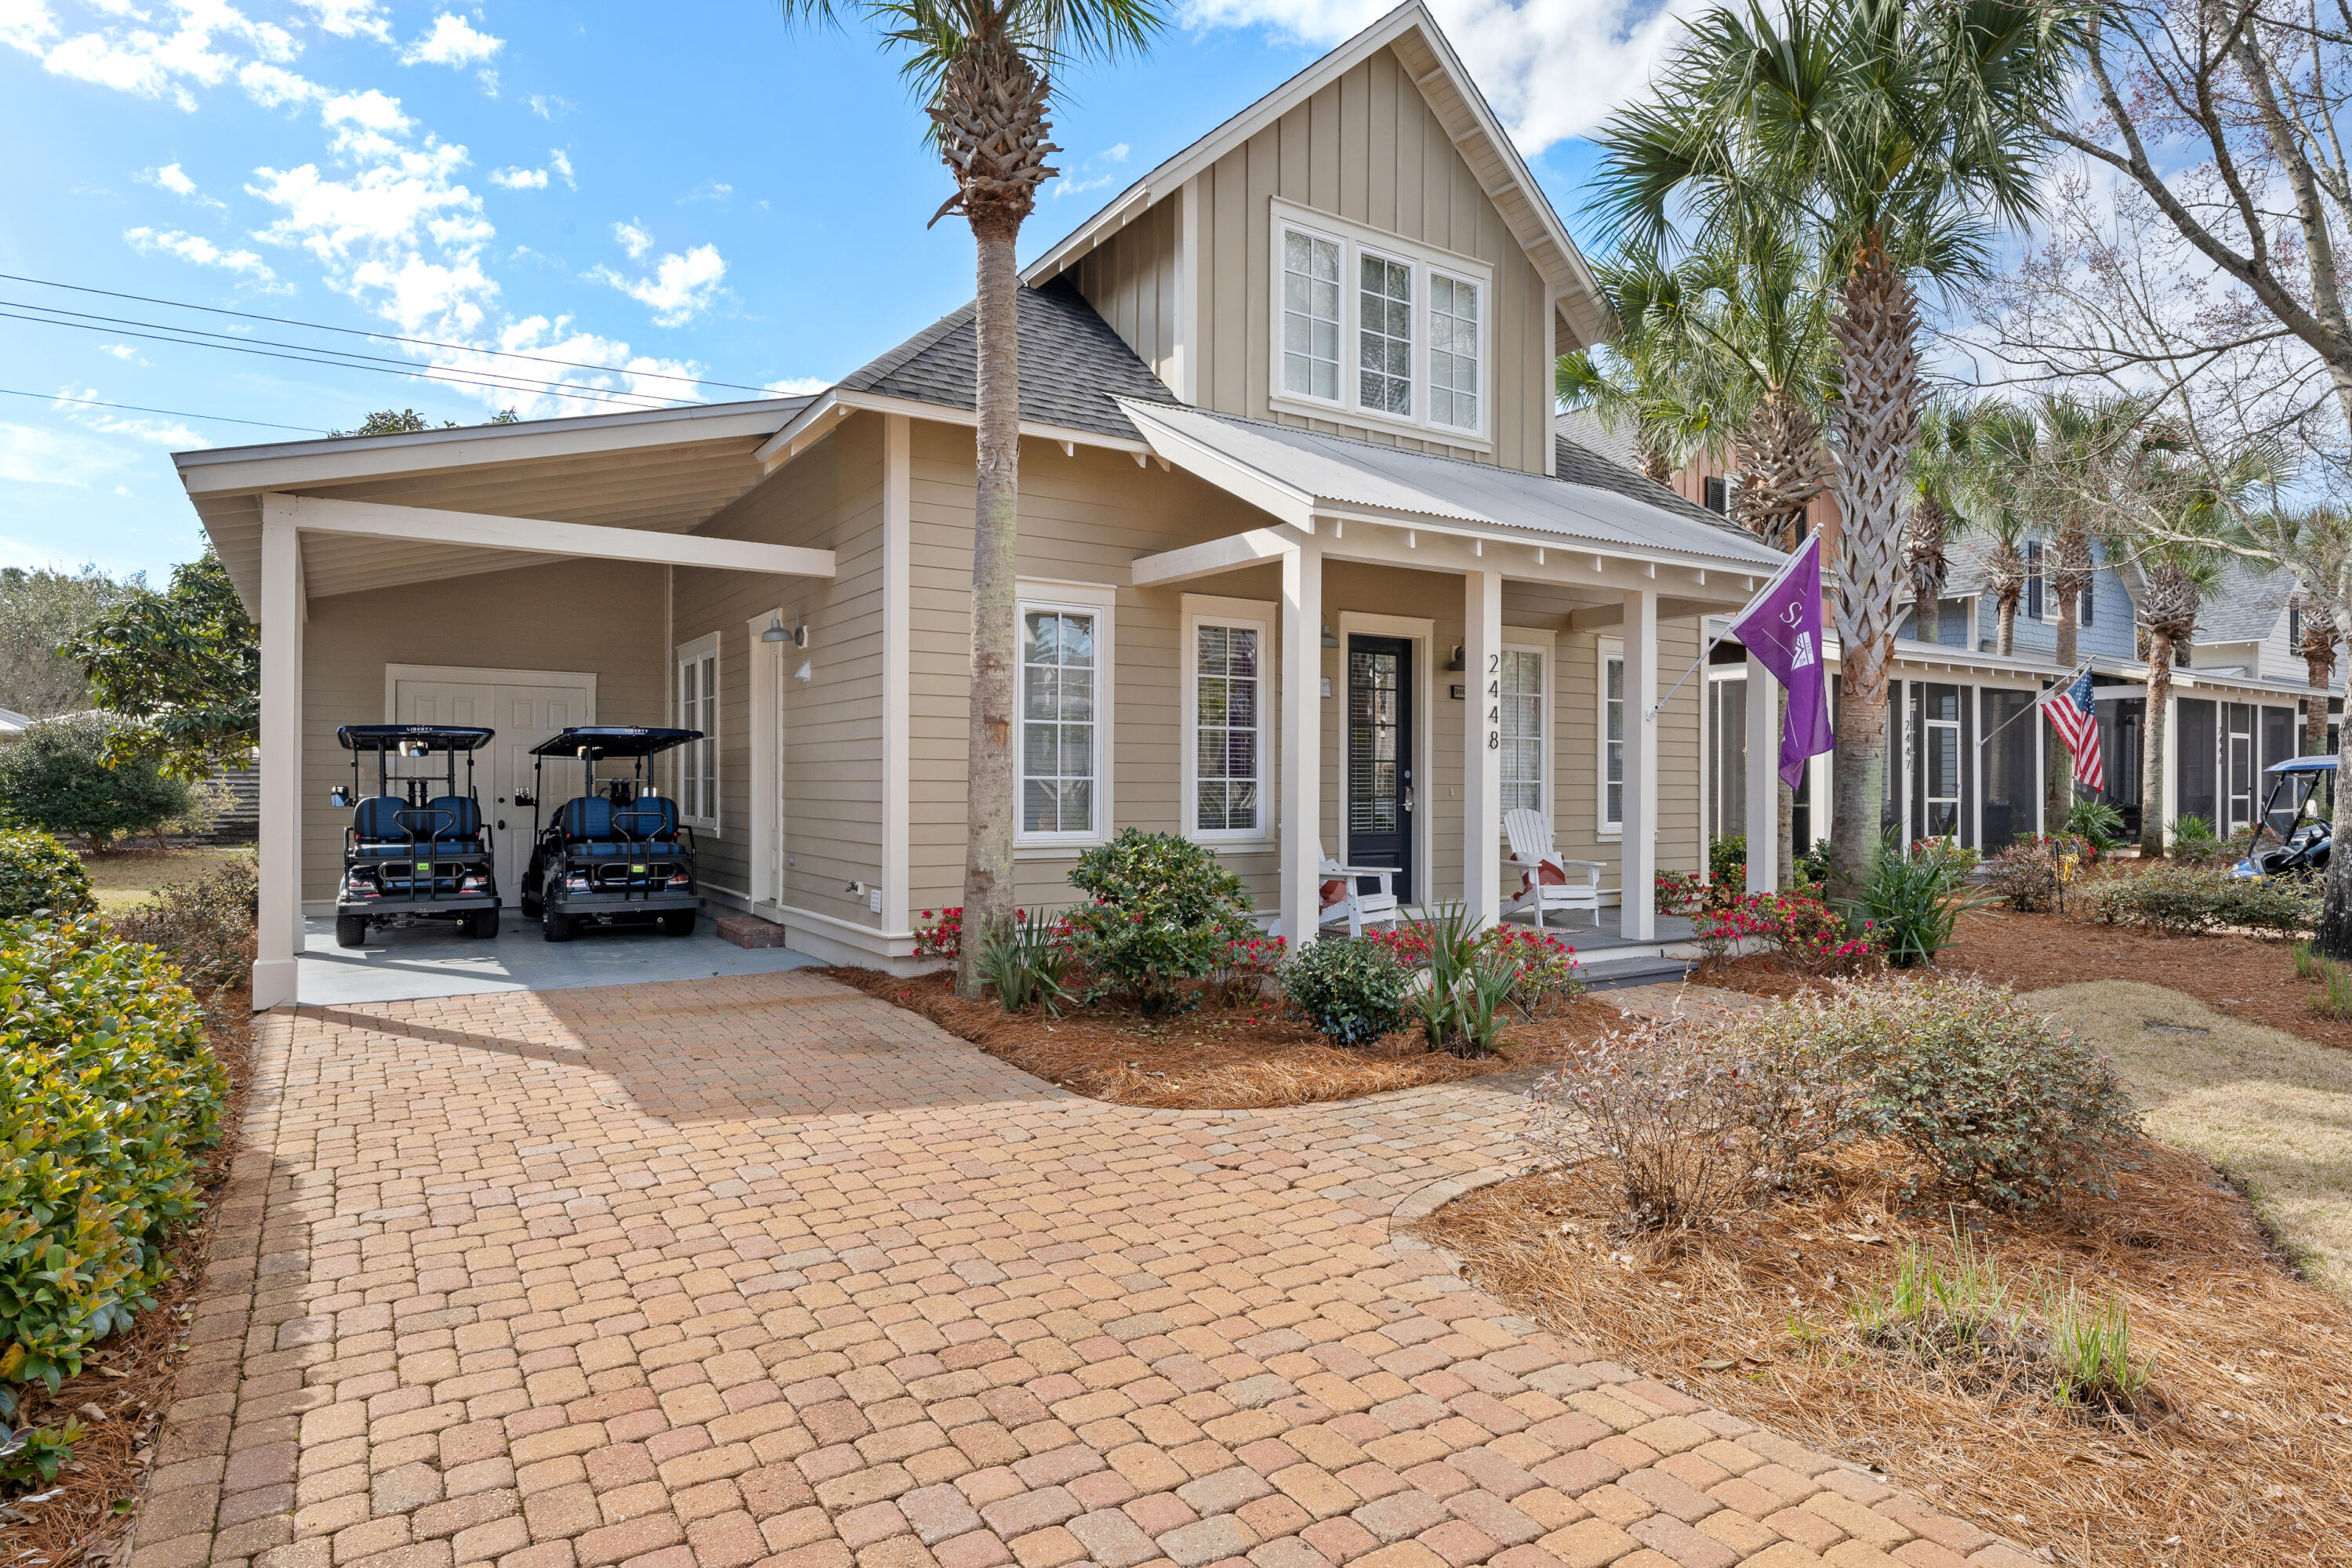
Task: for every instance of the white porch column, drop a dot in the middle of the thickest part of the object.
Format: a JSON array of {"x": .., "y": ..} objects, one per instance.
[
  {"x": 2170, "y": 814},
  {"x": 1763, "y": 779},
  {"x": 1302, "y": 735},
  {"x": 1482, "y": 741},
  {"x": 1639, "y": 874},
  {"x": 277, "y": 930}
]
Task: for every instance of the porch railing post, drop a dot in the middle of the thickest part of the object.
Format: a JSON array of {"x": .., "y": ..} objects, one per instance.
[
  {"x": 1482, "y": 741},
  {"x": 1763, "y": 779},
  {"x": 1638, "y": 895},
  {"x": 1302, "y": 732},
  {"x": 280, "y": 916}
]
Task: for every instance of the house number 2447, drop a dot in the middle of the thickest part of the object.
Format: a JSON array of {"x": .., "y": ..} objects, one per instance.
[{"x": 1493, "y": 702}]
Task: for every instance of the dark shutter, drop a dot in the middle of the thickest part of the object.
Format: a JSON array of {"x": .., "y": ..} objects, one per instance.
[{"x": 2034, "y": 579}]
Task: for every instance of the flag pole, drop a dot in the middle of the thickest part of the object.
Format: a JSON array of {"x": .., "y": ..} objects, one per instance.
[
  {"x": 2063, "y": 681},
  {"x": 1777, "y": 579}
]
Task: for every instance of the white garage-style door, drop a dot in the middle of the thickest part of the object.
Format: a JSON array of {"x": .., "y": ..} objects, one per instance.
[{"x": 525, "y": 707}]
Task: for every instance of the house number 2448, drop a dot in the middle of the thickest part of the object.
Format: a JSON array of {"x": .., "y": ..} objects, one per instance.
[{"x": 1493, "y": 702}]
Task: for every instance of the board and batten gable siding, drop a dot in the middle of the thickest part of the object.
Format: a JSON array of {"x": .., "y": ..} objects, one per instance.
[
  {"x": 830, "y": 498},
  {"x": 589, "y": 616},
  {"x": 1366, "y": 149}
]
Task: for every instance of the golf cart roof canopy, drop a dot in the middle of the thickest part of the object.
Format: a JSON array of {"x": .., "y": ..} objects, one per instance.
[
  {"x": 612, "y": 741},
  {"x": 432, "y": 737},
  {"x": 2302, "y": 765}
]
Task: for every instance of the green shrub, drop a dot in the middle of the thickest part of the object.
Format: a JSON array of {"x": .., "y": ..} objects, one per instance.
[
  {"x": 2100, "y": 823},
  {"x": 37, "y": 874},
  {"x": 203, "y": 923},
  {"x": 1910, "y": 902},
  {"x": 1026, "y": 962},
  {"x": 1471, "y": 979},
  {"x": 56, "y": 779},
  {"x": 2194, "y": 842},
  {"x": 1163, "y": 912},
  {"x": 107, "y": 1093},
  {"x": 2181, "y": 900},
  {"x": 1726, "y": 859},
  {"x": 1350, "y": 989},
  {"x": 2026, "y": 874},
  {"x": 1997, "y": 1099}
]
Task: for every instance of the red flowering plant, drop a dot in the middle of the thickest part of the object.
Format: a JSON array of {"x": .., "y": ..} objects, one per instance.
[
  {"x": 1680, "y": 892},
  {"x": 1239, "y": 979},
  {"x": 1545, "y": 968},
  {"x": 1805, "y": 931},
  {"x": 941, "y": 934}
]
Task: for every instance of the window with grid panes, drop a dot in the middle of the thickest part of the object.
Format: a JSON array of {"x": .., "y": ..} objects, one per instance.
[
  {"x": 698, "y": 709},
  {"x": 1059, "y": 761},
  {"x": 1612, "y": 740},
  {"x": 1452, "y": 352},
  {"x": 1226, "y": 737},
  {"x": 1310, "y": 316},
  {"x": 1523, "y": 730},
  {"x": 1384, "y": 335}
]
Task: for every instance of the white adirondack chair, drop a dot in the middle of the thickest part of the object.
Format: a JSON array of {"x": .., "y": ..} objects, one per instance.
[
  {"x": 1530, "y": 832},
  {"x": 1358, "y": 908}
]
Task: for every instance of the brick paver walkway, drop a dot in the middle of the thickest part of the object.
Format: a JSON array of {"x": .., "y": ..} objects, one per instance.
[{"x": 762, "y": 1271}]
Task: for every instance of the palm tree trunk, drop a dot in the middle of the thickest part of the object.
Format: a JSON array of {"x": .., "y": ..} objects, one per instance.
[
  {"x": 2153, "y": 723},
  {"x": 988, "y": 890},
  {"x": 1877, "y": 418},
  {"x": 2321, "y": 669},
  {"x": 1929, "y": 622},
  {"x": 2005, "y": 625},
  {"x": 2058, "y": 775}
]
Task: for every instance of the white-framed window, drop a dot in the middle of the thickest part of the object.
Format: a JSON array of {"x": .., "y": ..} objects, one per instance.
[
  {"x": 1611, "y": 756},
  {"x": 1062, "y": 671},
  {"x": 1525, "y": 733},
  {"x": 1379, "y": 328},
  {"x": 1228, "y": 677},
  {"x": 1455, "y": 349},
  {"x": 1384, "y": 334},
  {"x": 698, "y": 709},
  {"x": 1310, "y": 315}
]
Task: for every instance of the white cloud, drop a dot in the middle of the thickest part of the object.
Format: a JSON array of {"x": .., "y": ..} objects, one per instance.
[
  {"x": 1551, "y": 69},
  {"x": 169, "y": 434},
  {"x": 352, "y": 18},
  {"x": 681, "y": 287},
  {"x": 562, "y": 165},
  {"x": 141, "y": 54},
  {"x": 369, "y": 110},
  {"x": 708, "y": 191},
  {"x": 634, "y": 237},
  {"x": 1094, "y": 174},
  {"x": 520, "y": 179},
  {"x": 196, "y": 249},
  {"x": 174, "y": 179},
  {"x": 273, "y": 87},
  {"x": 798, "y": 386},
  {"x": 32, "y": 456},
  {"x": 123, "y": 352},
  {"x": 452, "y": 42},
  {"x": 397, "y": 205}
]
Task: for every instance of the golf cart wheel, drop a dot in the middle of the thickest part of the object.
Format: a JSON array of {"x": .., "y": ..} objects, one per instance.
[
  {"x": 530, "y": 907},
  {"x": 555, "y": 925},
  {"x": 482, "y": 924},
  {"x": 677, "y": 922},
  {"x": 350, "y": 931}
]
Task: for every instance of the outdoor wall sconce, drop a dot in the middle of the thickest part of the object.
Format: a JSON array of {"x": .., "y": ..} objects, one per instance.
[
  {"x": 1328, "y": 639},
  {"x": 797, "y": 637},
  {"x": 1455, "y": 662}
]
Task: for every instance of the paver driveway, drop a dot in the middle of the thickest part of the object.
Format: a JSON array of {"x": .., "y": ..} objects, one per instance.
[{"x": 763, "y": 1270}]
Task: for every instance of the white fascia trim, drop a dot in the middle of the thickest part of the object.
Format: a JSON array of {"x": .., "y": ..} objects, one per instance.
[
  {"x": 375, "y": 520},
  {"x": 819, "y": 418},
  {"x": 232, "y": 469}
]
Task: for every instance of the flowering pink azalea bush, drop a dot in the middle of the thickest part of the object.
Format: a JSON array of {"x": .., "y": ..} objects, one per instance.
[
  {"x": 1805, "y": 931},
  {"x": 1247, "y": 963},
  {"x": 1544, "y": 967},
  {"x": 1680, "y": 892},
  {"x": 941, "y": 934}
]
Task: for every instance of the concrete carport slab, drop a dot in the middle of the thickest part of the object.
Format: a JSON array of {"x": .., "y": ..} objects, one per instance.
[{"x": 427, "y": 962}]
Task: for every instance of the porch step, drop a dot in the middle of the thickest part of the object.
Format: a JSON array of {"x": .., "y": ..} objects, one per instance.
[
  {"x": 749, "y": 931},
  {"x": 1603, "y": 975}
]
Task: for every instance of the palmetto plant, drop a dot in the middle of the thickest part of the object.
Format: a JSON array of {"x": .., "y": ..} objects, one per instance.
[
  {"x": 2316, "y": 647},
  {"x": 2175, "y": 579},
  {"x": 1894, "y": 136},
  {"x": 985, "y": 70},
  {"x": 1640, "y": 385}
]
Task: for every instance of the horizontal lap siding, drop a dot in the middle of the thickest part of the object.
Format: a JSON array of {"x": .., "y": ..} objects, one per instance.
[
  {"x": 592, "y": 617},
  {"x": 828, "y": 499}
]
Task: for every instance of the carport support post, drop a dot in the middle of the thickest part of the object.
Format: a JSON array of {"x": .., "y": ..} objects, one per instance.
[
  {"x": 1638, "y": 879},
  {"x": 1482, "y": 742},
  {"x": 1302, "y": 734},
  {"x": 1763, "y": 779},
  {"x": 276, "y": 938}
]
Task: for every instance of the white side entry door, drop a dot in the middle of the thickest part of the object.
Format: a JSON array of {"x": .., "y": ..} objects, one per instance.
[{"x": 523, "y": 713}]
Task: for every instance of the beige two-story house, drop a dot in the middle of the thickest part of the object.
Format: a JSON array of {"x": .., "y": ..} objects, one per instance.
[{"x": 1305, "y": 572}]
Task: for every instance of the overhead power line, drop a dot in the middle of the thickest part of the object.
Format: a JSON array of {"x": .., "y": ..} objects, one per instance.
[
  {"x": 171, "y": 413},
  {"x": 428, "y": 373},
  {"x": 386, "y": 337}
]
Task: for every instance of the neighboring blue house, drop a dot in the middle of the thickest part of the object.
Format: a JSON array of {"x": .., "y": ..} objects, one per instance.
[{"x": 2106, "y": 630}]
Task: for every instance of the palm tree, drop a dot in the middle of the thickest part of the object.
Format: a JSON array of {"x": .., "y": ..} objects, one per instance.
[
  {"x": 2175, "y": 579},
  {"x": 1895, "y": 134},
  {"x": 985, "y": 71},
  {"x": 2316, "y": 648},
  {"x": 1940, "y": 468},
  {"x": 1638, "y": 385},
  {"x": 1981, "y": 472}
]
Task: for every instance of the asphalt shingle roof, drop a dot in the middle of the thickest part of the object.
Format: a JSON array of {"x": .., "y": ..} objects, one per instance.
[
  {"x": 2245, "y": 604},
  {"x": 1580, "y": 464},
  {"x": 1073, "y": 366}
]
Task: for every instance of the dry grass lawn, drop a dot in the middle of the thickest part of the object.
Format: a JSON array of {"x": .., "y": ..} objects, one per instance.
[
  {"x": 2274, "y": 1110},
  {"x": 125, "y": 879}
]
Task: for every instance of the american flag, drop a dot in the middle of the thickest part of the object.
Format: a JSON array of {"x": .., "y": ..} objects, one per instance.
[{"x": 2076, "y": 719}]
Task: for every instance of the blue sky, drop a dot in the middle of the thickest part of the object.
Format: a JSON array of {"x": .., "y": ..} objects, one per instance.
[{"x": 687, "y": 191}]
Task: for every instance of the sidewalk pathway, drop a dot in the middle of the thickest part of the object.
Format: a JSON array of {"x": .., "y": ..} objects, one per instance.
[{"x": 759, "y": 1270}]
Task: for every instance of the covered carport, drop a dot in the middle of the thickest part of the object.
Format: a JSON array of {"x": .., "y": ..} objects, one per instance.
[{"x": 451, "y": 550}]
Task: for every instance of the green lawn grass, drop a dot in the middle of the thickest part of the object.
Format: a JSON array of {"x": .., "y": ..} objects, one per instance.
[{"x": 124, "y": 878}]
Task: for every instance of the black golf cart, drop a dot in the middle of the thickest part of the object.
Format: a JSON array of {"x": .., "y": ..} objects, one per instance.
[
  {"x": 614, "y": 854},
  {"x": 2298, "y": 815},
  {"x": 416, "y": 850}
]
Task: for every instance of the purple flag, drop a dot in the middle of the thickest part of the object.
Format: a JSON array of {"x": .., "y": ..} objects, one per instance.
[{"x": 1781, "y": 627}]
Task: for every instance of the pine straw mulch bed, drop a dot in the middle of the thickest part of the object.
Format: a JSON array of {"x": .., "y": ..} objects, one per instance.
[
  {"x": 85, "y": 1515},
  {"x": 1215, "y": 1058},
  {"x": 2246, "y": 977},
  {"x": 2237, "y": 1457}
]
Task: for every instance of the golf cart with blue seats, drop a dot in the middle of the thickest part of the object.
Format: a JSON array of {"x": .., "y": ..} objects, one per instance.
[
  {"x": 415, "y": 851},
  {"x": 2299, "y": 815},
  {"x": 614, "y": 854}
]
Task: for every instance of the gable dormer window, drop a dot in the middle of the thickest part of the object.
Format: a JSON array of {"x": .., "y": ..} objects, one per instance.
[
  {"x": 1376, "y": 329},
  {"x": 1310, "y": 316}
]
